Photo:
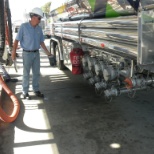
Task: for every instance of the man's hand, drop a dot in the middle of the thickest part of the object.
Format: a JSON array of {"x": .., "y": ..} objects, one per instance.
[
  {"x": 50, "y": 55},
  {"x": 45, "y": 49}
]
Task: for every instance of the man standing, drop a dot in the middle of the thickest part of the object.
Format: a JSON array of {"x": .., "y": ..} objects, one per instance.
[{"x": 31, "y": 37}]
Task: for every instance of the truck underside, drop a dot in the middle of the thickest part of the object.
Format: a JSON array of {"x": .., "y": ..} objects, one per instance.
[{"x": 117, "y": 42}]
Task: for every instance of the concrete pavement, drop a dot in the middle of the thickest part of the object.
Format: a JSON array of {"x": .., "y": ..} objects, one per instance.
[{"x": 72, "y": 119}]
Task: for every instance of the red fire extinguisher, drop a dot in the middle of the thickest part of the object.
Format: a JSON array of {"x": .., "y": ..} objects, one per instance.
[{"x": 76, "y": 59}]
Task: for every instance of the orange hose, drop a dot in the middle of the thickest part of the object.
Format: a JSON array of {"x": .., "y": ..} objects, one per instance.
[
  {"x": 6, "y": 30},
  {"x": 3, "y": 116}
]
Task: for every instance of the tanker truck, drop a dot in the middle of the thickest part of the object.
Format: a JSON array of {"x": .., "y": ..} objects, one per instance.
[{"x": 116, "y": 38}]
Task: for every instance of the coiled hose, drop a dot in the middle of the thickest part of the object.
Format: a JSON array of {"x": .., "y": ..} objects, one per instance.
[{"x": 3, "y": 116}]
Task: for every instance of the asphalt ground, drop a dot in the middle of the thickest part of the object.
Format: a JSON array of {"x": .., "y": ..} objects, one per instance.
[{"x": 72, "y": 119}]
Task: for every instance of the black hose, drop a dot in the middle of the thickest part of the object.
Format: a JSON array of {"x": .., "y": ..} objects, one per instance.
[{"x": 2, "y": 28}]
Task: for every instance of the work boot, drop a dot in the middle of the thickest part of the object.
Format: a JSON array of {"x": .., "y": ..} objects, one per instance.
[
  {"x": 39, "y": 94},
  {"x": 25, "y": 96}
]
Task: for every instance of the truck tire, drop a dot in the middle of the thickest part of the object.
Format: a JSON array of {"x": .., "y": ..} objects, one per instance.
[
  {"x": 53, "y": 47},
  {"x": 60, "y": 63},
  {"x": 2, "y": 28}
]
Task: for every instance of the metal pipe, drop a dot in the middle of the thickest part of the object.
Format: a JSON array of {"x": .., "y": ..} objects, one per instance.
[
  {"x": 132, "y": 69},
  {"x": 116, "y": 92}
]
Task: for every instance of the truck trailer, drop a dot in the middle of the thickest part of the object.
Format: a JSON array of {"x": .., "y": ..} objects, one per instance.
[{"x": 116, "y": 38}]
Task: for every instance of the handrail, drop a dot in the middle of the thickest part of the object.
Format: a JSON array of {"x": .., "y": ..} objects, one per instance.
[{"x": 3, "y": 116}]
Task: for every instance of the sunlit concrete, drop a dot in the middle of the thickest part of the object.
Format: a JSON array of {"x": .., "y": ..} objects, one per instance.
[
  {"x": 115, "y": 145},
  {"x": 39, "y": 149},
  {"x": 34, "y": 133}
]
